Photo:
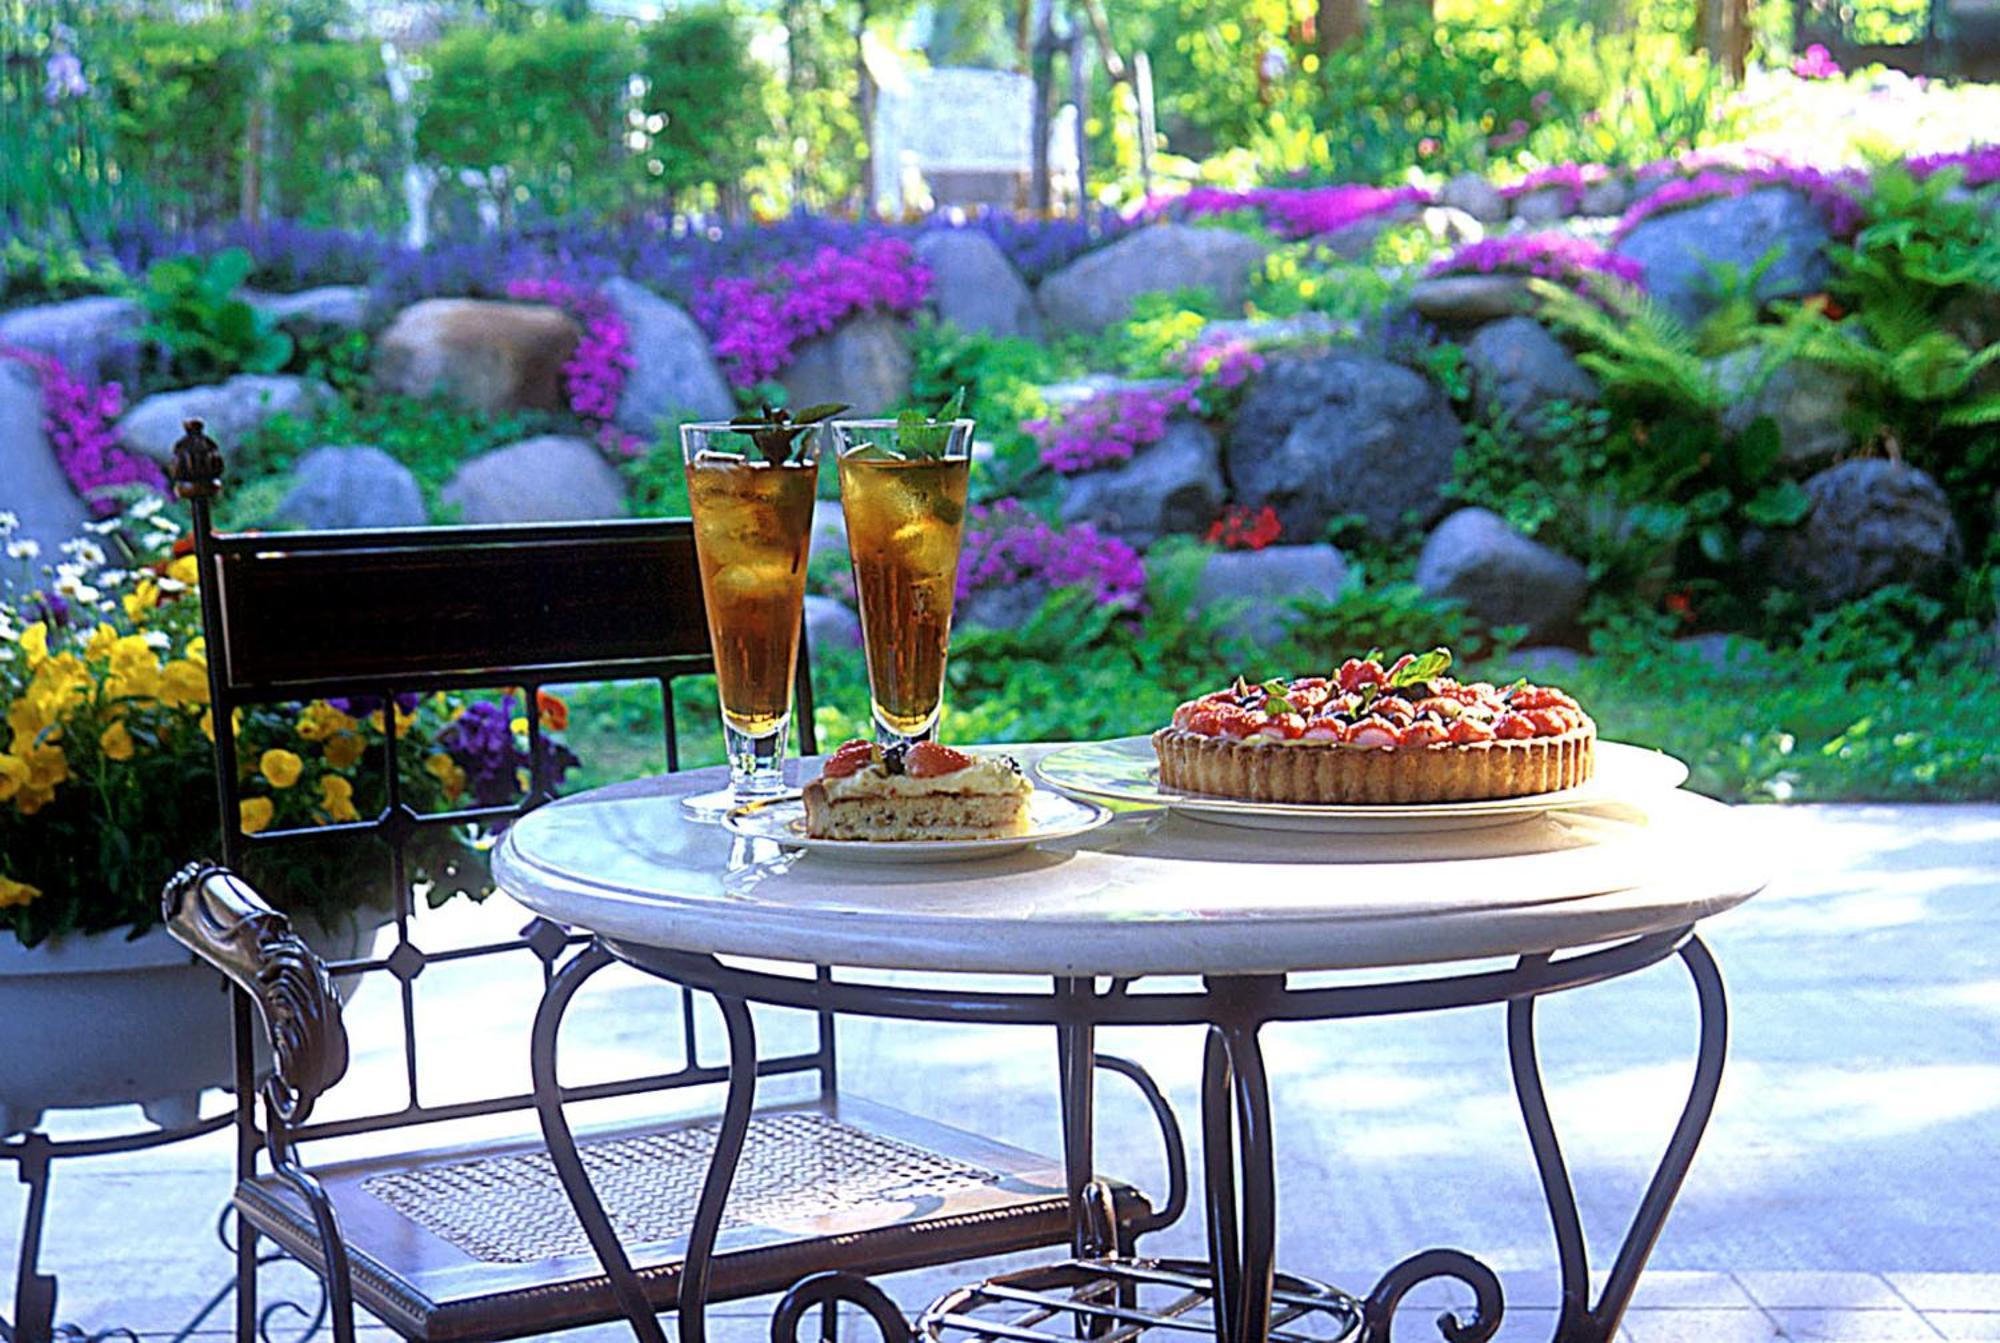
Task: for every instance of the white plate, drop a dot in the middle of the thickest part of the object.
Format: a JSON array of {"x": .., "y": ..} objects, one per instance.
[
  {"x": 1051, "y": 816},
  {"x": 1127, "y": 770}
]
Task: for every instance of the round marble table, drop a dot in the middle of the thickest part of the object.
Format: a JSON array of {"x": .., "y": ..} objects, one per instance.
[{"x": 1565, "y": 899}]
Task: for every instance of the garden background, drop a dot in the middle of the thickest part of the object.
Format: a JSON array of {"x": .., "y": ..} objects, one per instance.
[{"x": 1637, "y": 344}]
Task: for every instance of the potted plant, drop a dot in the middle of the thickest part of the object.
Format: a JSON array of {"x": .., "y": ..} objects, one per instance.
[{"x": 107, "y": 785}]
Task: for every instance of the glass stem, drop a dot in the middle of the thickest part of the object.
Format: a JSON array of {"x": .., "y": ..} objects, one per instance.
[{"x": 757, "y": 764}]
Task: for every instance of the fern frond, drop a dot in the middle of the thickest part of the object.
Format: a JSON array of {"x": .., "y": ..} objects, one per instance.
[{"x": 1978, "y": 411}]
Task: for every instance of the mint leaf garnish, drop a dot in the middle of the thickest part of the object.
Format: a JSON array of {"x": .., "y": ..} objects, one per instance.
[{"x": 1423, "y": 667}]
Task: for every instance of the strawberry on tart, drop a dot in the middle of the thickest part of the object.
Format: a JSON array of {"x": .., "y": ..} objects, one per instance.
[
  {"x": 924, "y": 791},
  {"x": 1375, "y": 735}
]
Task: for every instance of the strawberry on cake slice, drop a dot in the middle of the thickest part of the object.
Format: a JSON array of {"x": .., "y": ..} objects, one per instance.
[
  {"x": 1370, "y": 734},
  {"x": 924, "y": 791}
]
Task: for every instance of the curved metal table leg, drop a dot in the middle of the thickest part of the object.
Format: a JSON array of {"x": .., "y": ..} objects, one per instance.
[
  {"x": 562, "y": 1143},
  {"x": 1580, "y": 1321},
  {"x": 692, "y": 1305}
]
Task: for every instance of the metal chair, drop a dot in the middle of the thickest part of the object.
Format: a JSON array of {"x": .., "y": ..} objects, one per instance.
[{"x": 479, "y": 1240}]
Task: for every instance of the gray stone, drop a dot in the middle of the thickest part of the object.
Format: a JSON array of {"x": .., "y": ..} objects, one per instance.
[
  {"x": 1356, "y": 242},
  {"x": 336, "y": 488},
  {"x": 1873, "y": 523},
  {"x": 864, "y": 362},
  {"x": 1266, "y": 582},
  {"x": 1543, "y": 660},
  {"x": 1003, "y": 606},
  {"x": 1174, "y": 485},
  {"x": 1343, "y": 433},
  {"x": 1476, "y": 196},
  {"x": 1093, "y": 385},
  {"x": 93, "y": 337},
  {"x": 1097, "y": 288},
  {"x": 1466, "y": 299},
  {"x": 1500, "y": 576},
  {"x": 337, "y": 307},
  {"x": 1542, "y": 206},
  {"x": 546, "y": 479},
  {"x": 231, "y": 410},
  {"x": 831, "y": 623},
  {"x": 35, "y": 490},
  {"x": 1808, "y": 402},
  {"x": 1612, "y": 196},
  {"x": 975, "y": 287},
  {"x": 1678, "y": 248},
  {"x": 1304, "y": 328},
  {"x": 485, "y": 355},
  {"x": 673, "y": 371},
  {"x": 1518, "y": 368}
]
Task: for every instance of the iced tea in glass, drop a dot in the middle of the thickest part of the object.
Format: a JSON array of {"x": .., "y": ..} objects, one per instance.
[
  {"x": 752, "y": 527},
  {"x": 902, "y": 490}
]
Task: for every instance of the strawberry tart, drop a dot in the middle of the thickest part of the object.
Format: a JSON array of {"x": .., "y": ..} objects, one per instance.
[
  {"x": 1377, "y": 735},
  {"x": 925, "y": 791}
]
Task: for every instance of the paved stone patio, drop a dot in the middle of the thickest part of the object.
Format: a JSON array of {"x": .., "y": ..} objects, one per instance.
[{"x": 1846, "y": 1190}]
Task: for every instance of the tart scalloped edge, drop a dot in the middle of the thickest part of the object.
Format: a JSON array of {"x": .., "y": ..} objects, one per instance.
[{"x": 1344, "y": 775}]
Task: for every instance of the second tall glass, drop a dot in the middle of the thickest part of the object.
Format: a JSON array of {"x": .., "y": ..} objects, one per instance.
[
  {"x": 902, "y": 490},
  {"x": 752, "y": 512}
]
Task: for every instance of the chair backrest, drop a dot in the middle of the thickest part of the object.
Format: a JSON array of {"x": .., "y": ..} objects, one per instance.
[{"x": 388, "y": 617}]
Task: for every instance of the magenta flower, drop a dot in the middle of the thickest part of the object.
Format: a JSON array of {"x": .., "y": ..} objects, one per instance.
[
  {"x": 1817, "y": 63},
  {"x": 1552, "y": 256},
  {"x": 81, "y": 420},
  {"x": 594, "y": 375},
  {"x": 1006, "y": 544},
  {"x": 1106, "y": 429},
  {"x": 1981, "y": 164},
  {"x": 757, "y": 322},
  {"x": 1290, "y": 212},
  {"x": 1573, "y": 178},
  {"x": 1836, "y": 194}
]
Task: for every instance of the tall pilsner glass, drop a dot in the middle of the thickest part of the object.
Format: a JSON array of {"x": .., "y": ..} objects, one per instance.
[
  {"x": 902, "y": 489},
  {"x": 752, "y": 528}
]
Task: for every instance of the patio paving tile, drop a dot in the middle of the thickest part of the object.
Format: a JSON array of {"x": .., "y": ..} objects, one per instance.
[
  {"x": 1855, "y": 1326},
  {"x": 1949, "y": 1291},
  {"x": 1787, "y": 1290},
  {"x": 1966, "y": 1326},
  {"x": 1699, "y": 1325}
]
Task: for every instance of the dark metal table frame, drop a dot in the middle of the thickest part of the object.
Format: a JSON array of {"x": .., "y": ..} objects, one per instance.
[{"x": 1093, "y": 1295}]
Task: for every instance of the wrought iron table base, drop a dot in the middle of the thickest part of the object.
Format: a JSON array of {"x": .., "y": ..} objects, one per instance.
[{"x": 1096, "y": 1294}]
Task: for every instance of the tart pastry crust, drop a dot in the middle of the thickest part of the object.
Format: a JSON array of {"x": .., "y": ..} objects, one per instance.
[{"x": 1334, "y": 774}]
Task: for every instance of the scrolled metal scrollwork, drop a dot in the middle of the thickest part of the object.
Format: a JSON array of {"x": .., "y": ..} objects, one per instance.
[
  {"x": 1398, "y": 1282},
  {"x": 220, "y": 918},
  {"x": 829, "y": 1290}
]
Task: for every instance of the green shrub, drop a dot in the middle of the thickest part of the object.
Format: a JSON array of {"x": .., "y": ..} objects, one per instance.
[
  {"x": 50, "y": 269},
  {"x": 707, "y": 102},
  {"x": 335, "y": 155},
  {"x": 180, "y": 96},
  {"x": 206, "y": 331},
  {"x": 539, "y": 112}
]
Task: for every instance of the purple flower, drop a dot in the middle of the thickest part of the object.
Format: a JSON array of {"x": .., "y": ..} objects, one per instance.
[
  {"x": 481, "y": 739},
  {"x": 81, "y": 421},
  {"x": 756, "y": 322},
  {"x": 1980, "y": 164},
  {"x": 1817, "y": 63},
  {"x": 1553, "y": 256},
  {"x": 1836, "y": 194},
  {"x": 1290, "y": 212},
  {"x": 360, "y": 706},
  {"x": 1573, "y": 178},
  {"x": 1106, "y": 429},
  {"x": 64, "y": 78},
  {"x": 594, "y": 376},
  {"x": 1006, "y": 544}
]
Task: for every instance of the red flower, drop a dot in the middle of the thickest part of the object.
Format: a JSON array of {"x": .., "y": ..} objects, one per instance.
[{"x": 1240, "y": 529}]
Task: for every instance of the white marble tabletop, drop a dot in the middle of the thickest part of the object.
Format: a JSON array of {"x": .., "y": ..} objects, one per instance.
[{"x": 1151, "y": 893}]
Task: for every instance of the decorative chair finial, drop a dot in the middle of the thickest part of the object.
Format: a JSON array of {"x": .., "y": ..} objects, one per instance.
[{"x": 197, "y": 469}]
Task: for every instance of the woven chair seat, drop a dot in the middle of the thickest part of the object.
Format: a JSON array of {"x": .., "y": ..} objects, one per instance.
[{"x": 481, "y": 1242}]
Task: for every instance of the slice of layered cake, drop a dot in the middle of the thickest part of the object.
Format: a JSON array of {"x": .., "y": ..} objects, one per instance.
[{"x": 925, "y": 791}]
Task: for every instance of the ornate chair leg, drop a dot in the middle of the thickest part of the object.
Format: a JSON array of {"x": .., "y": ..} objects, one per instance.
[
  {"x": 1580, "y": 1321},
  {"x": 34, "y": 1290}
]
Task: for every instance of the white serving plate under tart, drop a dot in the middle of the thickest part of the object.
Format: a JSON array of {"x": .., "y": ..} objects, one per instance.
[
  {"x": 1127, "y": 770},
  {"x": 1051, "y": 816}
]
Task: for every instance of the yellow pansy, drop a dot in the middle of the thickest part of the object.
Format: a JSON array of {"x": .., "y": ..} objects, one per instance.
[
  {"x": 183, "y": 681},
  {"x": 336, "y": 798},
  {"x": 254, "y": 813},
  {"x": 14, "y": 892},
  {"x": 197, "y": 651},
  {"x": 98, "y": 646},
  {"x": 403, "y": 720},
  {"x": 115, "y": 742},
  {"x": 280, "y": 767},
  {"x": 141, "y": 600},
  {"x": 13, "y": 775},
  {"x": 321, "y": 721},
  {"x": 344, "y": 751},
  {"x": 135, "y": 671},
  {"x": 447, "y": 772},
  {"x": 186, "y": 570},
  {"x": 35, "y": 640}
]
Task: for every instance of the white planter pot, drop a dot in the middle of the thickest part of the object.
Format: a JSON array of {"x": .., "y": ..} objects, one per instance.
[{"x": 89, "y": 1020}]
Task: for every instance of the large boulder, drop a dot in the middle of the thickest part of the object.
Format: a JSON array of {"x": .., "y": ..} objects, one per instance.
[
  {"x": 1098, "y": 287},
  {"x": 1518, "y": 368},
  {"x": 1266, "y": 582},
  {"x": 96, "y": 338},
  {"x": 1500, "y": 576},
  {"x": 545, "y": 479},
  {"x": 1677, "y": 249},
  {"x": 1174, "y": 485},
  {"x": 1809, "y": 403},
  {"x": 337, "y": 488},
  {"x": 1003, "y": 606},
  {"x": 1343, "y": 433},
  {"x": 1463, "y": 300},
  {"x": 673, "y": 372},
  {"x": 975, "y": 287},
  {"x": 1543, "y": 206},
  {"x": 1476, "y": 196},
  {"x": 231, "y": 410},
  {"x": 1873, "y": 523},
  {"x": 32, "y": 485},
  {"x": 332, "y": 307},
  {"x": 864, "y": 362},
  {"x": 487, "y": 356}
]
